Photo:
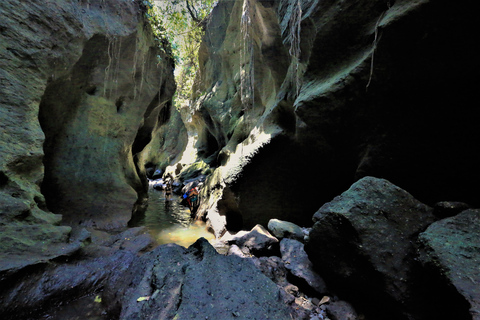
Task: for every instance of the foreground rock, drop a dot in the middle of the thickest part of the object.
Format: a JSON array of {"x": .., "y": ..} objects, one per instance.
[
  {"x": 41, "y": 288},
  {"x": 194, "y": 283},
  {"x": 450, "y": 253},
  {"x": 365, "y": 239},
  {"x": 341, "y": 310},
  {"x": 170, "y": 282},
  {"x": 445, "y": 209}
]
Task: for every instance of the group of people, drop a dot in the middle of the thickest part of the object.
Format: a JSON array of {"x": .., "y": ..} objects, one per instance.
[{"x": 190, "y": 198}]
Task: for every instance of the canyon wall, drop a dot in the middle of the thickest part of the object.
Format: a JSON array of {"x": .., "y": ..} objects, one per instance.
[
  {"x": 296, "y": 100},
  {"x": 85, "y": 85}
]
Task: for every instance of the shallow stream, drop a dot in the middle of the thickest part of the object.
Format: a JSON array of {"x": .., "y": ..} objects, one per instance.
[{"x": 169, "y": 222}]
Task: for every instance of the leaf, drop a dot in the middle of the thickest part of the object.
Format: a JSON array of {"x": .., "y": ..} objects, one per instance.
[
  {"x": 98, "y": 299},
  {"x": 143, "y": 298}
]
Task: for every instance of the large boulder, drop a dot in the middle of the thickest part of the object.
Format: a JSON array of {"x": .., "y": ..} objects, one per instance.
[
  {"x": 172, "y": 282},
  {"x": 450, "y": 252},
  {"x": 363, "y": 243},
  {"x": 40, "y": 290}
]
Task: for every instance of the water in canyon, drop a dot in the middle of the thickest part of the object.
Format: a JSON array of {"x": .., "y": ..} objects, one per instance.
[{"x": 170, "y": 222}]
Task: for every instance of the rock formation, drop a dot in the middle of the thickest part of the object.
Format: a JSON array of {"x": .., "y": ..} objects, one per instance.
[
  {"x": 84, "y": 87},
  {"x": 449, "y": 250},
  {"x": 380, "y": 248},
  {"x": 295, "y": 101},
  {"x": 197, "y": 283},
  {"x": 341, "y": 91}
]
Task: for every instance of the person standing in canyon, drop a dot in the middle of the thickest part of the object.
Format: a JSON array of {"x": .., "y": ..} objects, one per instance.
[
  {"x": 192, "y": 199},
  {"x": 168, "y": 187}
]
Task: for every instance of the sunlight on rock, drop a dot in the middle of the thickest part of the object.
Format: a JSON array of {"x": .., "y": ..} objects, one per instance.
[
  {"x": 244, "y": 152},
  {"x": 190, "y": 153}
]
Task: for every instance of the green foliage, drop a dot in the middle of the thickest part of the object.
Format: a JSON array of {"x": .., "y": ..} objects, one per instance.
[
  {"x": 152, "y": 14},
  {"x": 180, "y": 23}
]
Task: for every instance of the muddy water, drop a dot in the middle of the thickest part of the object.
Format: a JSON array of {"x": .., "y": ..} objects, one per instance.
[{"x": 169, "y": 222}]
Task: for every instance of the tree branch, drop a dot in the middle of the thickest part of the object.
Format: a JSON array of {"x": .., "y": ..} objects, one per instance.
[{"x": 191, "y": 10}]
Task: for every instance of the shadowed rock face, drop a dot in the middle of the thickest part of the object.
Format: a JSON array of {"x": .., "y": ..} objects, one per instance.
[
  {"x": 84, "y": 88},
  {"x": 364, "y": 239},
  {"x": 449, "y": 251},
  {"x": 374, "y": 100},
  {"x": 383, "y": 249}
]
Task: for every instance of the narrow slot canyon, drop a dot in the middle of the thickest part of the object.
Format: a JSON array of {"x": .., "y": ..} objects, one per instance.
[{"x": 238, "y": 159}]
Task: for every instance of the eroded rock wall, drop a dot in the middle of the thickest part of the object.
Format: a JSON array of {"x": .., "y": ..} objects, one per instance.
[
  {"x": 242, "y": 66},
  {"x": 84, "y": 85},
  {"x": 342, "y": 90}
]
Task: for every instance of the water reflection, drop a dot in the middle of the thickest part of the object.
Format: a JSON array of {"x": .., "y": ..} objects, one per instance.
[{"x": 170, "y": 222}]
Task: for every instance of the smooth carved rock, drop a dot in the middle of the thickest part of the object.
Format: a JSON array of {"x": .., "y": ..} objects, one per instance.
[
  {"x": 81, "y": 92},
  {"x": 284, "y": 229},
  {"x": 315, "y": 126}
]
